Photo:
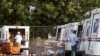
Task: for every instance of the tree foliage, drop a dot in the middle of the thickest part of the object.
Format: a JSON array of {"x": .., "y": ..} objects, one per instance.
[{"x": 47, "y": 12}]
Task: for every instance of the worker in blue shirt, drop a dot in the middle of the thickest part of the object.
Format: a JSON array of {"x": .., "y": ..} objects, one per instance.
[{"x": 73, "y": 40}]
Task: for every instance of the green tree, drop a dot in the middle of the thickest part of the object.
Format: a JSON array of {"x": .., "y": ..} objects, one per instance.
[{"x": 47, "y": 12}]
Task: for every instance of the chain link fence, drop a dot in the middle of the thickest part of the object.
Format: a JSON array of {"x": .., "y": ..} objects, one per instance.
[{"x": 41, "y": 48}]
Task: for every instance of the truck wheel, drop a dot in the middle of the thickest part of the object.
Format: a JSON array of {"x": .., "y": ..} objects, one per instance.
[
  {"x": 80, "y": 53},
  {"x": 86, "y": 55},
  {"x": 68, "y": 53}
]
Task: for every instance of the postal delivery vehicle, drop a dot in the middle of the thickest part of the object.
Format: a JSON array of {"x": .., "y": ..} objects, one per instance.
[
  {"x": 6, "y": 31},
  {"x": 94, "y": 33},
  {"x": 63, "y": 32},
  {"x": 84, "y": 41}
]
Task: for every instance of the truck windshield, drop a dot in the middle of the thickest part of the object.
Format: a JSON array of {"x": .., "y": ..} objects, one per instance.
[{"x": 58, "y": 33}]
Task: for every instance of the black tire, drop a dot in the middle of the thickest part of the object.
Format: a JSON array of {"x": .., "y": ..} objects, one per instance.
[
  {"x": 84, "y": 55},
  {"x": 80, "y": 53},
  {"x": 68, "y": 53},
  {"x": 89, "y": 55}
]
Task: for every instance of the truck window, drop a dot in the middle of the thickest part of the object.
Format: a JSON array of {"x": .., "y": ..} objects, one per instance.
[
  {"x": 59, "y": 33},
  {"x": 95, "y": 22},
  {"x": 95, "y": 27},
  {"x": 79, "y": 33},
  {"x": 87, "y": 28}
]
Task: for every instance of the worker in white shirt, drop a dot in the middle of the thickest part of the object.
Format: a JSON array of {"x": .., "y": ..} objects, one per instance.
[
  {"x": 74, "y": 40},
  {"x": 18, "y": 39}
]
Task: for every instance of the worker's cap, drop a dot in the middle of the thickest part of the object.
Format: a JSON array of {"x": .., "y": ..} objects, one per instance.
[{"x": 18, "y": 32}]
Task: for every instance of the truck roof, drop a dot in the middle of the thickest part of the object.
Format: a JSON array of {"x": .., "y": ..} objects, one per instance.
[
  {"x": 95, "y": 11},
  {"x": 16, "y": 26}
]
